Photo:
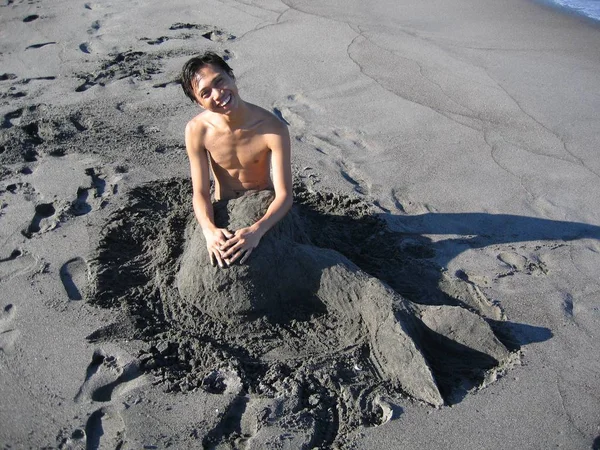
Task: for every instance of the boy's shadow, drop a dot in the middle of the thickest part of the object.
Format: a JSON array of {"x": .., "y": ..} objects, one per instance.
[{"x": 412, "y": 264}]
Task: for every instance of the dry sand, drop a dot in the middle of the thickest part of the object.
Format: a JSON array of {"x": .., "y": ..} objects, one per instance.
[{"x": 446, "y": 152}]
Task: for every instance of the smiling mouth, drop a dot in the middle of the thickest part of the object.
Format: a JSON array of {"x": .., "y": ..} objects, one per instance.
[{"x": 226, "y": 102}]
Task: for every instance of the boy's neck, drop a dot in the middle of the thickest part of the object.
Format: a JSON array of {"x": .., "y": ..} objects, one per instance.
[{"x": 238, "y": 117}]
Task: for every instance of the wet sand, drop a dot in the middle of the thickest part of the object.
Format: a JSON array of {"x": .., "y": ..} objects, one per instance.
[{"x": 444, "y": 157}]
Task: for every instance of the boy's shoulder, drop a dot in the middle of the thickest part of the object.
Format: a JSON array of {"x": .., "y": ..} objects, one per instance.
[
  {"x": 262, "y": 112},
  {"x": 267, "y": 117},
  {"x": 199, "y": 123}
]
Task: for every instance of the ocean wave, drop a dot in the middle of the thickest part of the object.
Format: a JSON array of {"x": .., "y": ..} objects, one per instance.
[{"x": 589, "y": 8}]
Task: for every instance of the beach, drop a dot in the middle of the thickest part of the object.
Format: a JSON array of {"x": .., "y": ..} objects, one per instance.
[{"x": 446, "y": 149}]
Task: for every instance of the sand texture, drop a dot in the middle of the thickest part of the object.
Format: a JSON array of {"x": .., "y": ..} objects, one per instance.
[
  {"x": 303, "y": 326},
  {"x": 435, "y": 285}
]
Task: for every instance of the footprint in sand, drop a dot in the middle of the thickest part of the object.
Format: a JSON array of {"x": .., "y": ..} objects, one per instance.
[
  {"x": 94, "y": 27},
  {"x": 76, "y": 441},
  {"x": 73, "y": 275},
  {"x": 43, "y": 220},
  {"x": 8, "y": 335},
  {"x": 84, "y": 203},
  {"x": 207, "y": 31},
  {"x": 513, "y": 260},
  {"x": 32, "y": 129},
  {"x": 297, "y": 111},
  {"x": 85, "y": 47},
  {"x": 80, "y": 205},
  {"x": 256, "y": 423},
  {"x": 354, "y": 180},
  {"x": 8, "y": 76},
  {"x": 27, "y": 136},
  {"x": 519, "y": 263},
  {"x": 104, "y": 429},
  {"x": 339, "y": 143},
  {"x": 568, "y": 305},
  {"x": 12, "y": 118},
  {"x": 406, "y": 205},
  {"x": 129, "y": 64},
  {"x": 17, "y": 263},
  {"x": 105, "y": 378}
]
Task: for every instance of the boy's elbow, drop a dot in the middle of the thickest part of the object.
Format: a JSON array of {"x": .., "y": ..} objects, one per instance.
[
  {"x": 285, "y": 199},
  {"x": 288, "y": 201},
  {"x": 200, "y": 198}
]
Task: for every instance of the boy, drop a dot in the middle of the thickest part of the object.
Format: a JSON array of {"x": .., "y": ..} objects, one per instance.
[{"x": 241, "y": 143}]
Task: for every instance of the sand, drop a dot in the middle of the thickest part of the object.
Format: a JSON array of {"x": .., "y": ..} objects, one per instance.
[{"x": 436, "y": 285}]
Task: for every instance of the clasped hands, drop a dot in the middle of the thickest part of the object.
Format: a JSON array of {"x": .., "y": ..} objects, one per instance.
[{"x": 225, "y": 247}]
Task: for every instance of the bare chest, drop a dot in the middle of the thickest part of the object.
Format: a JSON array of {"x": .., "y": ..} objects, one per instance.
[{"x": 238, "y": 149}]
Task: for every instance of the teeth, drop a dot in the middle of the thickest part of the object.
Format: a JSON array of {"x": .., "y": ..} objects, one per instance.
[{"x": 226, "y": 101}]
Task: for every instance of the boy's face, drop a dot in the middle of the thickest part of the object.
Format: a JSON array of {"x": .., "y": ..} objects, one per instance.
[{"x": 215, "y": 90}]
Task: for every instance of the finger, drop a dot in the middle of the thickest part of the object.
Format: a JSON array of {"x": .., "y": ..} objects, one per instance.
[
  {"x": 227, "y": 233},
  {"x": 246, "y": 256},
  {"x": 233, "y": 249},
  {"x": 219, "y": 259},
  {"x": 236, "y": 256},
  {"x": 227, "y": 244},
  {"x": 212, "y": 258}
]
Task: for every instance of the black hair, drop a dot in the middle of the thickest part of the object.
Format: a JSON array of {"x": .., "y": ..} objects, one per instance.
[{"x": 193, "y": 66}]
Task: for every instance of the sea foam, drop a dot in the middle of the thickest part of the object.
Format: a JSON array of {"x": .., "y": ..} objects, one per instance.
[{"x": 588, "y": 8}]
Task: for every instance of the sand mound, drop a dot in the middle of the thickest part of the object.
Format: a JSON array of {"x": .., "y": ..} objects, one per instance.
[
  {"x": 245, "y": 290},
  {"x": 311, "y": 339}
]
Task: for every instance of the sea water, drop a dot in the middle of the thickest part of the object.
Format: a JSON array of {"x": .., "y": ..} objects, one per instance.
[{"x": 588, "y": 8}]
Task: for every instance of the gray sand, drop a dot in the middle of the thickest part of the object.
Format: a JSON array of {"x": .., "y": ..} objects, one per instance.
[
  {"x": 446, "y": 157},
  {"x": 300, "y": 329}
]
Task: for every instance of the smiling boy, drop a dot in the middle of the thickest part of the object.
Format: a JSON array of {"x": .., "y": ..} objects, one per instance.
[{"x": 242, "y": 144}]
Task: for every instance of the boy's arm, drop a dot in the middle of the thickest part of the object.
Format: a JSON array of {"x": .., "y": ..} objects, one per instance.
[
  {"x": 246, "y": 239},
  {"x": 203, "y": 209}
]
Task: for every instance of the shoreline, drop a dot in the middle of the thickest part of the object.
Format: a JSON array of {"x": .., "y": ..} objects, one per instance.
[{"x": 565, "y": 9}]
